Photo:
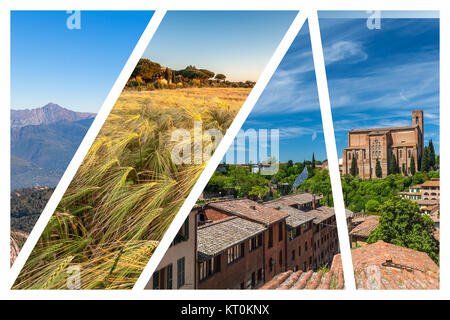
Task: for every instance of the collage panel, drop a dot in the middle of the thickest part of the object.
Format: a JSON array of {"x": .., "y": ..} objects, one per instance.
[
  {"x": 266, "y": 218},
  {"x": 63, "y": 64},
  {"x": 383, "y": 79},
  {"x": 179, "y": 101}
]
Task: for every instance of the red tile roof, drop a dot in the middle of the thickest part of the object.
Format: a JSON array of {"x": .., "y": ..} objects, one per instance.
[
  {"x": 333, "y": 279},
  {"x": 383, "y": 265},
  {"x": 365, "y": 227},
  {"x": 377, "y": 266},
  {"x": 251, "y": 210}
]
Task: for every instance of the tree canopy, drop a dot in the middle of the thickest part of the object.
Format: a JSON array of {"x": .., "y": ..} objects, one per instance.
[{"x": 401, "y": 223}]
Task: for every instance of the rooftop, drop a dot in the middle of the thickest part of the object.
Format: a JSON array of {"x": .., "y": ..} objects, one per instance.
[
  {"x": 322, "y": 213},
  {"x": 365, "y": 227},
  {"x": 431, "y": 183},
  {"x": 383, "y": 265},
  {"x": 333, "y": 279},
  {"x": 377, "y": 266},
  {"x": 251, "y": 210},
  {"x": 296, "y": 217},
  {"x": 296, "y": 198},
  {"x": 214, "y": 238},
  {"x": 381, "y": 130}
]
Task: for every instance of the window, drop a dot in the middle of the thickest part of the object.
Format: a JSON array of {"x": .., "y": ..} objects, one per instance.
[
  {"x": 259, "y": 274},
  {"x": 306, "y": 226},
  {"x": 280, "y": 231},
  {"x": 169, "y": 276},
  {"x": 253, "y": 279},
  {"x": 270, "y": 236},
  {"x": 306, "y": 246},
  {"x": 156, "y": 280},
  {"x": 180, "y": 272},
  {"x": 235, "y": 253},
  {"x": 183, "y": 233},
  {"x": 271, "y": 262},
  {"x": 293, "y": 254},
  {"x": 208, "y": 268},
  {"x": 280, "y": 258},
  {"x": 409, "y": 153},
  {"x": 255, "y": 242},
  {"x": 349, "y": 156},
  {"x": 299, "y": 251}
]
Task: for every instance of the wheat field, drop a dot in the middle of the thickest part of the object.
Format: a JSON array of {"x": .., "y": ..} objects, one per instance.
[{"x": 127, "y": 190}]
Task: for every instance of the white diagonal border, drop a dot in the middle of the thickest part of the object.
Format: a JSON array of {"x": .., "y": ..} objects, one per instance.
[
  {"x": 85, "y": 145},
  {"x": 227, "y": 140},
  {"x": 330, "y": 142}
]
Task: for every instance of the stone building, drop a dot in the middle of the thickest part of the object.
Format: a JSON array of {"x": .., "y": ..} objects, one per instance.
[
  {"x": 368, "y": 145},
  {"x": 242, "y": 244}
]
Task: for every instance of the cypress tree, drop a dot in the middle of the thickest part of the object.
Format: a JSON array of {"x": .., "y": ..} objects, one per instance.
[
  {"x": 425, "y": 165},
  {"x": 313, "y": 162},
  {"x": 432, "y": 154},
  {"x": 353, "y": 167},
  {"x": 393, "y": 166},
  {"x": 378, "y": 171},
  {"x": 412, "y": 165}
]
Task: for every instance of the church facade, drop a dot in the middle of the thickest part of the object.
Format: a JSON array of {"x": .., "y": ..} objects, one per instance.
[{"x": 368, "y": 145}]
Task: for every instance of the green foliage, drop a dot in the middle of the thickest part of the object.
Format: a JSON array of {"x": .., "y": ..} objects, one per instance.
[
  {"x": 191, "y": 72},
  {"x": 146, "y": 69},
  {"x": 358, "y": 192},
  {"x": 290, "y": 164},
  {"x": 27, "y": 205},
  {"x": 412, "y": 166},
  {"x": 220, "y": 76},
  {"x": 401, "y": 223},
  {"x": 238, "y": 181},
  {"x": 258, "y": 192},
  {"x": 353, "y": 167},
  {"x": 313, "y": 162},
  {"x": 319, "y": 183},
  {"x": 393, "y": 165},
  {"x": 372, "y": 205},
  {"x": 378, "y": 170},
  {"x": 432, "y": 158}
]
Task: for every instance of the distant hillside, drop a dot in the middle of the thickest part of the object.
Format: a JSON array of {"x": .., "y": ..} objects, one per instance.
[
  {"x": 26, "y": 206},
  {"x": 41, "y": 153},
  {"x": 50, "y": 113}
]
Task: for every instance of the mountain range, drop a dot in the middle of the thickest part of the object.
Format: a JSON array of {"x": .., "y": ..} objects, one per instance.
[
  {"x": 43, "y": 141},
  {"x": 50, "y": 113}
]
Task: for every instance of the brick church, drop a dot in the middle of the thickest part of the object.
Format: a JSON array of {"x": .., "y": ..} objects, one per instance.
[{"x": 366, "y": 145}]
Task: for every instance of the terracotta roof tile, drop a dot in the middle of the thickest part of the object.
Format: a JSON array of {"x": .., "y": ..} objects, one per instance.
[
  {"x": 377, "y": 266},
  {"x": 366, "y": 227},
  {"x": 333, "y": 279},
  {"x": 296, "y": 217},
  {"x": 251, "y": 210}
]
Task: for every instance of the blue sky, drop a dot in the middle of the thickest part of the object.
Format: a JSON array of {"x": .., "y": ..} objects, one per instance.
[
  {"x": 290, "y": 103},
  {"x": 375, "y": 79},
  {"x": 73, "y": 68},
  {"x": 238, "y": 43}
]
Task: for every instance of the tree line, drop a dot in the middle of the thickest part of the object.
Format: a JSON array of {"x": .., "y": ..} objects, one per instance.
[
  {"x": 427, "y": 162},
  {"x": 149, "y": 75}
]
